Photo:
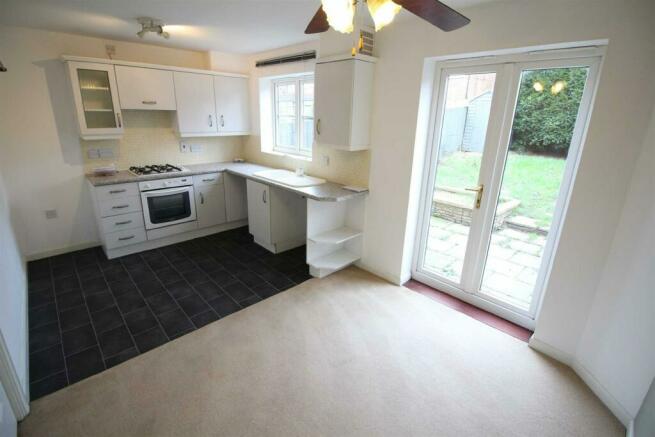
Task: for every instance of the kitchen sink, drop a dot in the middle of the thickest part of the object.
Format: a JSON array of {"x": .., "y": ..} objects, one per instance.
[{"x": 289, "y": 178}]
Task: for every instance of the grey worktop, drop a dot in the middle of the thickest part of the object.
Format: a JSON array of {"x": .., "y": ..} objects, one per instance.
[{"x": 329, "y": 191}]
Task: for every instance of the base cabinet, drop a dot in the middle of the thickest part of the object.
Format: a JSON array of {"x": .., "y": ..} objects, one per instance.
[
  {"x": 236, "y": 202},
  {"x": 210, "y": 199},
  {"x": 277, "y": 218}
]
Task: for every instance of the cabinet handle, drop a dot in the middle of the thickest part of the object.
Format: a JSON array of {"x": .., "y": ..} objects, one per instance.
[
  {"x": 222, "y": 121},
  {"x": 264, "y": 196},
  {"x": 118, "y": 117},
  {"x": 126, "y": 222},
  {"x": 125, "y": 238},
  {"x": 120, "y": 206},
  {"x": 117, "y": 191},
  {"x": 211, "y": 122},
  {"x": 318, "y": 126},
  {"x": 208, "y": 180},
  {"x": 149, "y": 102},
  {"x": 202, "y": 199}
]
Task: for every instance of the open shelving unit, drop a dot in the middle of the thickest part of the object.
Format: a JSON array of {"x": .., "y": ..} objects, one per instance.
[{"x": 334, "y": 235}]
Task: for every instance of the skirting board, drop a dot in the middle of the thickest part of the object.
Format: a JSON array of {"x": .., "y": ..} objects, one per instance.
[
  {"x": 62, "y": 250},
  {"x": 599, "y": 390},
  {"x": 10, "y": 382}
]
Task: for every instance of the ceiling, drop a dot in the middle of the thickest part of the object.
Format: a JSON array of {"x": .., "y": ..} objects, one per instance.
[{"x": 236, "y": 26}]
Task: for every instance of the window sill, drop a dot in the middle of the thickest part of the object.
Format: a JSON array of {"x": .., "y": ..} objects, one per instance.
[{"x": 288, "y": 155}]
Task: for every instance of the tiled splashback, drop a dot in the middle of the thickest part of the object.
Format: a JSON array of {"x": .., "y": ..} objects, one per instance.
[{"x": 150, "y": 138}]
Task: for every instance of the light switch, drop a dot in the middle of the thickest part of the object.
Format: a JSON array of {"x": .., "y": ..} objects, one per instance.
[
  {"x": 93, "y": 154},
  {"x": 196, "y": 148},
  {"x": 106, "y": 152}
]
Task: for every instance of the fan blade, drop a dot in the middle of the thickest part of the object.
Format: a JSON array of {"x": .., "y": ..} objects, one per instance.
[
  {"x": 436, "y": 13},
  {"x": 319, "y": 22}
]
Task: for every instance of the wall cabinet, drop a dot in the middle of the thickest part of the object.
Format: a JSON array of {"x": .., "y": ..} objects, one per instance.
[
  {"x": 236, "y": 199},
  {"x": 210, "y": 199},
  {"x": 96, "y": 100},
  {"x": 145, "y": 88},
  {"x": 277, "y": 218},
  {"x": 232, "y": 104},
  {"x": 196, "y": 107},
  {"x": 343, "y": 101}
]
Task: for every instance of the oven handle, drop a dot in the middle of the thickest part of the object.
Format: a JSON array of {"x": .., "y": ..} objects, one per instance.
[{"x": 167, "y": 191}]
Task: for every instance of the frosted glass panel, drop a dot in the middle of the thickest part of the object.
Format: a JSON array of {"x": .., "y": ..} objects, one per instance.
[{"x": 96, "y": 99}]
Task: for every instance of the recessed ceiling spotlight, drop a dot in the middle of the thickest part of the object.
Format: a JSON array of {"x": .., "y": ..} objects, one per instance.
[{"x": 151, "y": 25}]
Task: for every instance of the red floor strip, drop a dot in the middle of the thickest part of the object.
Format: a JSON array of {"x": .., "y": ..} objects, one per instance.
[{"x": 471, "y": 311}]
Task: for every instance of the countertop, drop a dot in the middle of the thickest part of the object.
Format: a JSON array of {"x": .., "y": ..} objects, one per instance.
[{"x": 329, "y": 191}]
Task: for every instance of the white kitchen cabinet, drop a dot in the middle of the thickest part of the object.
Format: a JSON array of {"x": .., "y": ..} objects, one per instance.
[
  {"x": 236, "y": 199},
  {"x": 232, "y": 105},
  {"x": 210, "y": 199},
  {"x": 196, "y": 106},
  {"x": 96, "y": 100},
  {"x": 277, "y": 218},
  {"x": 145, "y": 88},
  {"x": 343, "y": 101},
  {"x": 259, "y": 213}
]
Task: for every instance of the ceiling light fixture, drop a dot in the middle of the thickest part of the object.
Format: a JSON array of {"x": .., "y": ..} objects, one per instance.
[
  {"x": 151, "y": 25},
  {"x": 538, "y": 86},
  {"x": 341, "y": 13}
]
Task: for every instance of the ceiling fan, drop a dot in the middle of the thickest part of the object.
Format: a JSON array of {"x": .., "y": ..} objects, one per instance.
[{"x": 340, "y": 14}]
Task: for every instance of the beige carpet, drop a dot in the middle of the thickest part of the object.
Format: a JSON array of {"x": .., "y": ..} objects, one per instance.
[{"x": 349, "y": 355}]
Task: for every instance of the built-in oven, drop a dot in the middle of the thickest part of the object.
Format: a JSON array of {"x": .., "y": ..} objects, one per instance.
[{"x": 167, "y": 202}]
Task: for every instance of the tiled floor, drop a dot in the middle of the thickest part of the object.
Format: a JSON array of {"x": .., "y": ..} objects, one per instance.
[{"x": 87, "y": 313}]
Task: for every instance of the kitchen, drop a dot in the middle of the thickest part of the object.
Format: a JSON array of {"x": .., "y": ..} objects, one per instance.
[{"x": 209, "y": 204}]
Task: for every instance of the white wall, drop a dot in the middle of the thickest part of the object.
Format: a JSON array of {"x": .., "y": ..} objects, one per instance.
[
  {"x": 8, "y": 425},
  {"x": 618, "y": 343},
  {"x": 13, "y": 291},
  {"x": 43, "y": 161}
]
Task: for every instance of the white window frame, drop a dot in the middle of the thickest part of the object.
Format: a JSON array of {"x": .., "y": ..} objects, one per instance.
[{"x": 298, "y": 80}]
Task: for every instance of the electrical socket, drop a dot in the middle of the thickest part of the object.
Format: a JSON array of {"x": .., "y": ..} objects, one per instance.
[
  {"x": 325, "y": 160},
  {"x": 184, "y": 147},
  {"x": 196, "y": 148},
  {"x": 93, "y": 154},
  {"x": 106, "y": 152},
  {"x": 51, "y": 213},
  {"x": 110, "y": 50}
]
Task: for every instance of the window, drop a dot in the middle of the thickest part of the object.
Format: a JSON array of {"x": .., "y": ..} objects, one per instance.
[{"x": 293, "y": 115}]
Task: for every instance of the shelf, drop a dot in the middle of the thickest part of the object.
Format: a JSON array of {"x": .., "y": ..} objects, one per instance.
[
  {"x": 336, "y": 236},
  {"x": 335, "y": 260},
  {"x": 98, "y": 110}
]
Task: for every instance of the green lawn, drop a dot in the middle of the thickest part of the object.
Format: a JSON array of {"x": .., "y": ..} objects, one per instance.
[{"x": 534, "y": 180}]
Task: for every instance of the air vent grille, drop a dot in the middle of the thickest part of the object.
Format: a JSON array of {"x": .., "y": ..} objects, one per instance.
[{"x": 366, "y": 42}]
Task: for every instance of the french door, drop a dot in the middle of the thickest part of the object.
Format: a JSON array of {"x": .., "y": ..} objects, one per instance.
[{"x": 502, "y": 157}]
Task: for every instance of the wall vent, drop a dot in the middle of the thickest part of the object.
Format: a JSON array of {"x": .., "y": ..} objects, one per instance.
[
  {"x": 366, "y": 42},
  {"x": 286, "y": 59}
]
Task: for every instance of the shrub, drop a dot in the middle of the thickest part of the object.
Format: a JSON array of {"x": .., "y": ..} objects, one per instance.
[{"x": 544, "y": 121}]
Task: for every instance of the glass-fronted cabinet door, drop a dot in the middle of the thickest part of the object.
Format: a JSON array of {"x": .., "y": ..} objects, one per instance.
[{"x": 96, "y": 100}]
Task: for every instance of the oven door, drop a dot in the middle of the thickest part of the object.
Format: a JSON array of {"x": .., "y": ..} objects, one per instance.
[{"x": 168, "y": 207}]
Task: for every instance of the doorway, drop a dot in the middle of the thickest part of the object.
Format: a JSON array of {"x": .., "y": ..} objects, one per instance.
[{"x": 502, "y": 157}]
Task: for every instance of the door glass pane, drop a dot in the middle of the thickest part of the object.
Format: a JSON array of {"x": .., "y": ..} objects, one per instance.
[
  {"x": 171, "y": 207},
  {"x": 544, "y": 119},
  {"x": 285, "y": 115},
  {"x": 96, "y": 99},
  {"x": 461, "y": 144}
]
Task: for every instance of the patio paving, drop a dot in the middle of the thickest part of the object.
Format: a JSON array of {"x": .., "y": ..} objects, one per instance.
[{"x": 512, "y": 265}]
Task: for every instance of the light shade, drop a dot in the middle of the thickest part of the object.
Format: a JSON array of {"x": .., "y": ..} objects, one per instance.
[
  {"x": 340, "y": 14},
  {"x": 558, "y": 87},
  {"x": 383, "y": 12}
]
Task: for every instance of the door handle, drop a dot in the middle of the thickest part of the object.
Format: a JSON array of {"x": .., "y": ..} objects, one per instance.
[
  {"x": 211, "y": 122},
  {"x": 120, "y": 206},
  {"x": 149, "y": 102},
  {"x": 222, "y": 121},
  {"x": 264, "y": 196},
  {"x": 126, "y": 222},
  {"x": 318, "y": 126},
  {"x": 478, "y": 197},
  {"x": 202, "y": 199},
  {"x": 125, "y": 238},
  {"x": 117, "y": 191},
  {"x": 118, "y": 117}
]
